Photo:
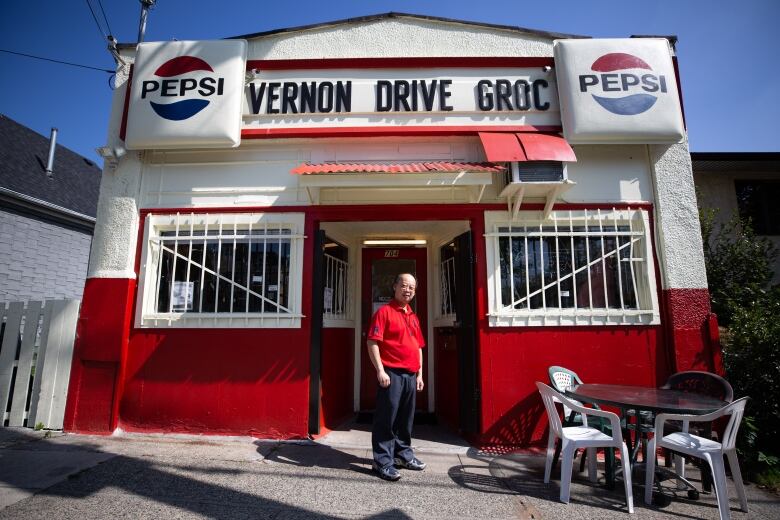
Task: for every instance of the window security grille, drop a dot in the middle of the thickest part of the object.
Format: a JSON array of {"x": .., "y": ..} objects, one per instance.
[
  {"x": 226, "y": 267},
  {"x": 336, "y": 305},
  {"x": 447, "y": 277},
  {"x": 577, "y": 267}
]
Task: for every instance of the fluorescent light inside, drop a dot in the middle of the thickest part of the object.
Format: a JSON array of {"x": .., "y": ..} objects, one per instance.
[{"x": 394, "y": 242}]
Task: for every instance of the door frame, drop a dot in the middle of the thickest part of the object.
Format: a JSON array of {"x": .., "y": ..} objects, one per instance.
[{"x": 423, "y": 301}]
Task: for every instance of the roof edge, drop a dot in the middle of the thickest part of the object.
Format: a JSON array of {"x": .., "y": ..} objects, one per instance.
[
  {"x": 735, "y": 156},
  {"x": 394, "y": 15},
  {"x": 39, "y": 207}
]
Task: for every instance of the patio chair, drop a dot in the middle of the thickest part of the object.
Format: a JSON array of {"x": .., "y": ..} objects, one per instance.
[
  {"x": 574, "y": 437},
  {"x": 560, "y": 378},
  {"x": 703, "y": 448},
  {"x": 697, "y": 382}
]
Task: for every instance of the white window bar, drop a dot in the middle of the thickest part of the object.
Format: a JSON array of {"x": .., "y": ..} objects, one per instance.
[
  {"x": 219, "y": 269},
  {"x": 265, "y": 257},
  {"x": 173, "y": 271},
  {"x": 248, "y": 267},
  {"x": 557, "y": 265},
  {"x": 541, "y": 265},
  {"x": 233, "y": 265},
  {"x": 279, "y": 270},
  {"x": 203, "y": 264},
  {"x": 573, "y": 260},
  {"x": 603, "y": 261},
  {"x": 618, "y": 260},
  {"x": 189, "y": 264},
  {"x": 587, "y": 261},
  {"x": 631, "y": 261},
  {"x": 527, "y": 274}
]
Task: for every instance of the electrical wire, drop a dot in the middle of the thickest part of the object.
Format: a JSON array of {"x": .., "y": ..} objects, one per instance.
[
  {"x": 100, "y": 29},
  {"x": 58, "y": 61},
  {"x": 100, "y": 3}
]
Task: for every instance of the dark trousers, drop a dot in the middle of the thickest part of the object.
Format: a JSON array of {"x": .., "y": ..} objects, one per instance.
[{"x": 391, "y": 435}]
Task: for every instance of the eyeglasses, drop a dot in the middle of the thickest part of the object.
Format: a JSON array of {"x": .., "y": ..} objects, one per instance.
[{"x": 407, "y": 286}]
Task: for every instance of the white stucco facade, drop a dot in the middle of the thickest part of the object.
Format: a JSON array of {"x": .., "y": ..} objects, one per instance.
[{"x": 257, "y": 174}]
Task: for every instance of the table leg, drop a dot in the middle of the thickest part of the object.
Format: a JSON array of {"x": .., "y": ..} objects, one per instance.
[{"x": 609, "y": 465}]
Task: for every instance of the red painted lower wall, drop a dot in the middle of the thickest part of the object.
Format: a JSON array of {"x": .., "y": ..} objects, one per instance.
[
  {"x": 219, "y": 381},
  {"x": 690, "y": 328},
  {"x": 98, "y": 354},
  {"x": 336, "y": 376},
  {"x": 512, "y": 360}
]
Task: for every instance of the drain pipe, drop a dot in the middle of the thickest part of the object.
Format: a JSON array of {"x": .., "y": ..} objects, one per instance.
[{"x": 52, "y": 148}]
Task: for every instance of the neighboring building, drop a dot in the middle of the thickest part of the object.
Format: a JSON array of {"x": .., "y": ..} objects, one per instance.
[
  {"x": 230, "y": 282},
  {"x": 46, "y": 221},
  {"x": 745, "y": 184}
]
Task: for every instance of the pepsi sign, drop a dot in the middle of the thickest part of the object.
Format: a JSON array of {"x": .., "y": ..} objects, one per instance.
[
  {"x": 618, "y": 91},
  {"x": 181, "y": 86},
  {"x": 187, "y": 94}
]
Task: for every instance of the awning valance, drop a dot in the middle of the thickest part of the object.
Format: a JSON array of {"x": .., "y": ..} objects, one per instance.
[
  {"x": 424, "y": 167},
  {"x": 525, "y": 146},
  {"x": 472, "y": 177}
]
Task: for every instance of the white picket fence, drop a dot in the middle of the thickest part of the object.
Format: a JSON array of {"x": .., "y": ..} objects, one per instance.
[{"x": 36, "y": 348}]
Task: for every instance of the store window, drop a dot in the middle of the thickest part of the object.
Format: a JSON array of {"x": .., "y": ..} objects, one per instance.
[
  {"x": 757, "y": 201},
  {"x": 231, "y": 270},
  {"x": 587, "y": 267}
]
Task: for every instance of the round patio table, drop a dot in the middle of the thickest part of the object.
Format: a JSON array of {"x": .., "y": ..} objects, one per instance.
[
  {"x": 640, "y": 398},
  {"x": 656, "y": 400}
]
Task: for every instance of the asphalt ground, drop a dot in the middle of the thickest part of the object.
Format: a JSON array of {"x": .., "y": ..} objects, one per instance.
[{"x": 68, "y": 476}]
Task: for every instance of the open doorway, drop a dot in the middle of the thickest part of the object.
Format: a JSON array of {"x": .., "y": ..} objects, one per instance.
[{"x": 365, "y": 276}]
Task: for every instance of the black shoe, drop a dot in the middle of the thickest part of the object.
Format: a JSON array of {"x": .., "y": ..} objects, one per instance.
[
  {"x": 414, "y": 464},
  {"x": 387, "y": 473}
]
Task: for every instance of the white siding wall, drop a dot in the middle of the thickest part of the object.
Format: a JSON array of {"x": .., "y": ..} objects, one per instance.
[{"x": 40, "y": 260}]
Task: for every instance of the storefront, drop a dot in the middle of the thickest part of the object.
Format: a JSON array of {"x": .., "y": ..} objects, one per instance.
[{"x": 250, "y": 222}]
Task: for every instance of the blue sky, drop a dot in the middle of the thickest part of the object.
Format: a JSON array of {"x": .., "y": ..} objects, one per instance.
[{"x": 728, "y": 52}]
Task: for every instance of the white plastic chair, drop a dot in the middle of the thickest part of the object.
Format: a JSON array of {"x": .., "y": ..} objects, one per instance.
[
  {"x": 703, "y": 448},
  {"x": 574, "y": 437}
]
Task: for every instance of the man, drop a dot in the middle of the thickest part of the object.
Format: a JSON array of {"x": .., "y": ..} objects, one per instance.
[{"x": 395, "y": 344}]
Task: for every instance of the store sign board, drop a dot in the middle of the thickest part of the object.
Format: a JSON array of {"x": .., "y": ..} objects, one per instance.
[
  {"x": 410, "y": 97},
  {"x": 187, "y": 94},
  {"x": 618, "y": 91}
]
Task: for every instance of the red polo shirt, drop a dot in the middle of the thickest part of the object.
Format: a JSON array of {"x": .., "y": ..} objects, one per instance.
[{"x": 397, "y": 331}]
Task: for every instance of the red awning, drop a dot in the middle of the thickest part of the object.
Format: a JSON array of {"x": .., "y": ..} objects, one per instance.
[
  {"x": 546, "y": 147},
  {"x": 505, "y": 147},
  {"x": 309, "y": 169},
  {"x": 502, "y": 147}
]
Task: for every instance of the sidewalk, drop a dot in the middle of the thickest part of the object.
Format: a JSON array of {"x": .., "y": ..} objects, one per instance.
[{"x": 151, "y": 476}]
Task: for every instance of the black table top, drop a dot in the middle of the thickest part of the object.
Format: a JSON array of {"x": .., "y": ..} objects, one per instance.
[{"x": 657, "y": 400}]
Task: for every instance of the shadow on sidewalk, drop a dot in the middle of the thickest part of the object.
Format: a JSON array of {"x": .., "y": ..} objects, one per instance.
[{"x": 208, "y": 489}]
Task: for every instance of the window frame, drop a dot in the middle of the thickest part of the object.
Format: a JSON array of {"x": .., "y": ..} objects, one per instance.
[
  {"x": 647, "y": 313},
  {"x": 155, "y": 224}
]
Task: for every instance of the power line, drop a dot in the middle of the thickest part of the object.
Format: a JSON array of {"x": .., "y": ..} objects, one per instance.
[
  {"x": 58, "y": 61},
  {"x": 100, "y": 29},
  {"x": 100, "y": 3}
]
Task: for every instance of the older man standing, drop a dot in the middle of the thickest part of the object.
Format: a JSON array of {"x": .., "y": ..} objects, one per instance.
[{"x": 395, "y": 344}]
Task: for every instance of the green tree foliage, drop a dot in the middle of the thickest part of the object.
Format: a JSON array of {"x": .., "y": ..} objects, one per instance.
[
  {"x": 739, "y": 264},
  {"x": 739, "y": 272},
  {"x": 752, "y": 358}
]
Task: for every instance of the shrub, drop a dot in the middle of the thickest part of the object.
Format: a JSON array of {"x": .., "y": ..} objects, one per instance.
[
  {"x": 739, "y": 264},
  {"x": 752, "y": 357}
]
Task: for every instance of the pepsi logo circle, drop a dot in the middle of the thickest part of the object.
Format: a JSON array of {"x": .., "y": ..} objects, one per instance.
[
  {"x": 626, "y": 84},
  {"x": 181, "y": 88}
]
